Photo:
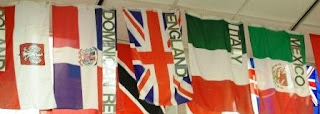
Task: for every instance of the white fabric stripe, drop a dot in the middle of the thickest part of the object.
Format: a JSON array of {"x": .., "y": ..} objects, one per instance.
[
  {"x": 146, "y": 43},
  {"x": 215, "y": 65},
  {"x": 66, "y": 55},
  {"x": 180, "y": 93},
  {"x": 133, "y": 30},
  {"x": 254, "y": 103},
  {"x": 311, "y": 80},
  {"x": 171, "y": 72},
  {"x": 29, "y": 111},
  {"x": 313, "y": 98},
  {"x": 124, "y": 90},
  {"x": 132, "y": 17},
  {"x": 186, "y": 86},
  {"x": 32, "y": 26},
  {"x": 88, "y": 39},
  {"x": 309, "y": 71},
  {"x": 263, "y": 70},
  {"x": 149, "y": 84},
  {"x": 100, "y": 61},
  {"x": 313, "y": 88},
  {"x": 143, "y": 75},
  {"x": 253, "y": 81},
  {"x": 188, "y": 109}
]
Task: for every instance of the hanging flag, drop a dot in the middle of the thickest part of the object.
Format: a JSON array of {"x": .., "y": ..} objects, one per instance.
[
  {"x": 314, "y": 87},
  {"x": 315, "y": 42},
  {"x": 108, "y": 32},
  {"x": 253, "y": 87},
  {"x": 128, "y": 101},
  {"x": 280, "y": 70},
  {"x": 218, "y": 64},
  {"x": 27, "y": 81},
  {"x": 77, "y": 57},
  {"x": 159, "y": 60}
]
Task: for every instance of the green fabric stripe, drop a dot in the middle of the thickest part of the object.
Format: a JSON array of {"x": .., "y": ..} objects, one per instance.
[
  {"x": 273, "y": 44},
  {"x": 211, "y": 34}
]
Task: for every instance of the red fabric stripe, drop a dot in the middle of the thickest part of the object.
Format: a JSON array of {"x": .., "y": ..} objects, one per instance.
[
  {"x": 144, "y": 80},
  {"x": 8, "y": 88},
  {"x": 196, "y": 109},
  {"x": 185, "y": 92},
  {"x": 65, "y": 26},
  {"x": 252, "y": 74},
  {"x": 100, "y": 89},
  {"x": 315, "y": 41},
  {"x": 274, "y": 102},
  {"x": 127, "y": 54},
  {"x": 133, "y": 23},
  {"x": 221, "y": 95},
  {"x": 69, "y": 111},
  {"x": 126, "y": 105},
  {"x": 312, "y": 84}
]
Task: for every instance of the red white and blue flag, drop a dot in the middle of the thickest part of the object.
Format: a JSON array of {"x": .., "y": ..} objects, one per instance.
[
  {"x": 253, "y": 87},
  {"x": 77, "y": 54},
  {"x": 159, "y": 63},
  {"x": 314, "y": 87},
  {"x": 128, "y": 101}
]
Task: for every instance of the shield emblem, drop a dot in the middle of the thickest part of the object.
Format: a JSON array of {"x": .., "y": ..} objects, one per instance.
[
  {"x": 88, "y": 56},
  {"x": 32, "y": 54}
]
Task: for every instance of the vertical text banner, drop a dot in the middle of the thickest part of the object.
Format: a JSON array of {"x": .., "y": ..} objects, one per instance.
[
  {"x": 2, "y": 41},
  {"x": 109, "y": 61}
]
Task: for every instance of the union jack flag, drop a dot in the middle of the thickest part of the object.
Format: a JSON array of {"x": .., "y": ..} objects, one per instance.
[
  {"x": 153, "y": 61},
  {"x": 253, "y": 86},
  {"x": 314, "y": 87}
]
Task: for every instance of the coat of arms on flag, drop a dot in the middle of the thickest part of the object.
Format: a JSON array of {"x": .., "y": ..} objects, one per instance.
[
  {"x": 32, "y": 54},
  {"x": 88, "y": 56},
  {"x": 279, "y": 75}
]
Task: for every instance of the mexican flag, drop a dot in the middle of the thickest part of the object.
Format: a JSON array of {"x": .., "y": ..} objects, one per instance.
[
  {"x": 218, "y": 64},
  {"x": 280, "y": 68}
]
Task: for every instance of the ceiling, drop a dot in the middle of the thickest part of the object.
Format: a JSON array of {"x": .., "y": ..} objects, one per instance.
[{"x": 280, "y": 10}]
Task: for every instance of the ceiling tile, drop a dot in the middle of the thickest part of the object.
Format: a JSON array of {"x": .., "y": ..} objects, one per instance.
[
  {"x": 282, "y": 10},
  {"x": 314, "y": 17},
  {"x": 226, "y": 6},
  {"x": 159, "y": 1}
]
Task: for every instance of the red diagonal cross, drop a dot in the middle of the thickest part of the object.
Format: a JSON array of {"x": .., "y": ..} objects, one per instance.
[{"x": 158, "y": 57}]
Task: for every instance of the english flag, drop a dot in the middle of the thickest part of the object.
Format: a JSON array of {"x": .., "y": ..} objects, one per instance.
[{"x": 158, "y": 56}]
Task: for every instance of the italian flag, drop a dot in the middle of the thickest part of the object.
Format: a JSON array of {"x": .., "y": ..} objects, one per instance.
[
  {"x": 280, "y": 68},
  {"x": 218, "y": 64}
]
